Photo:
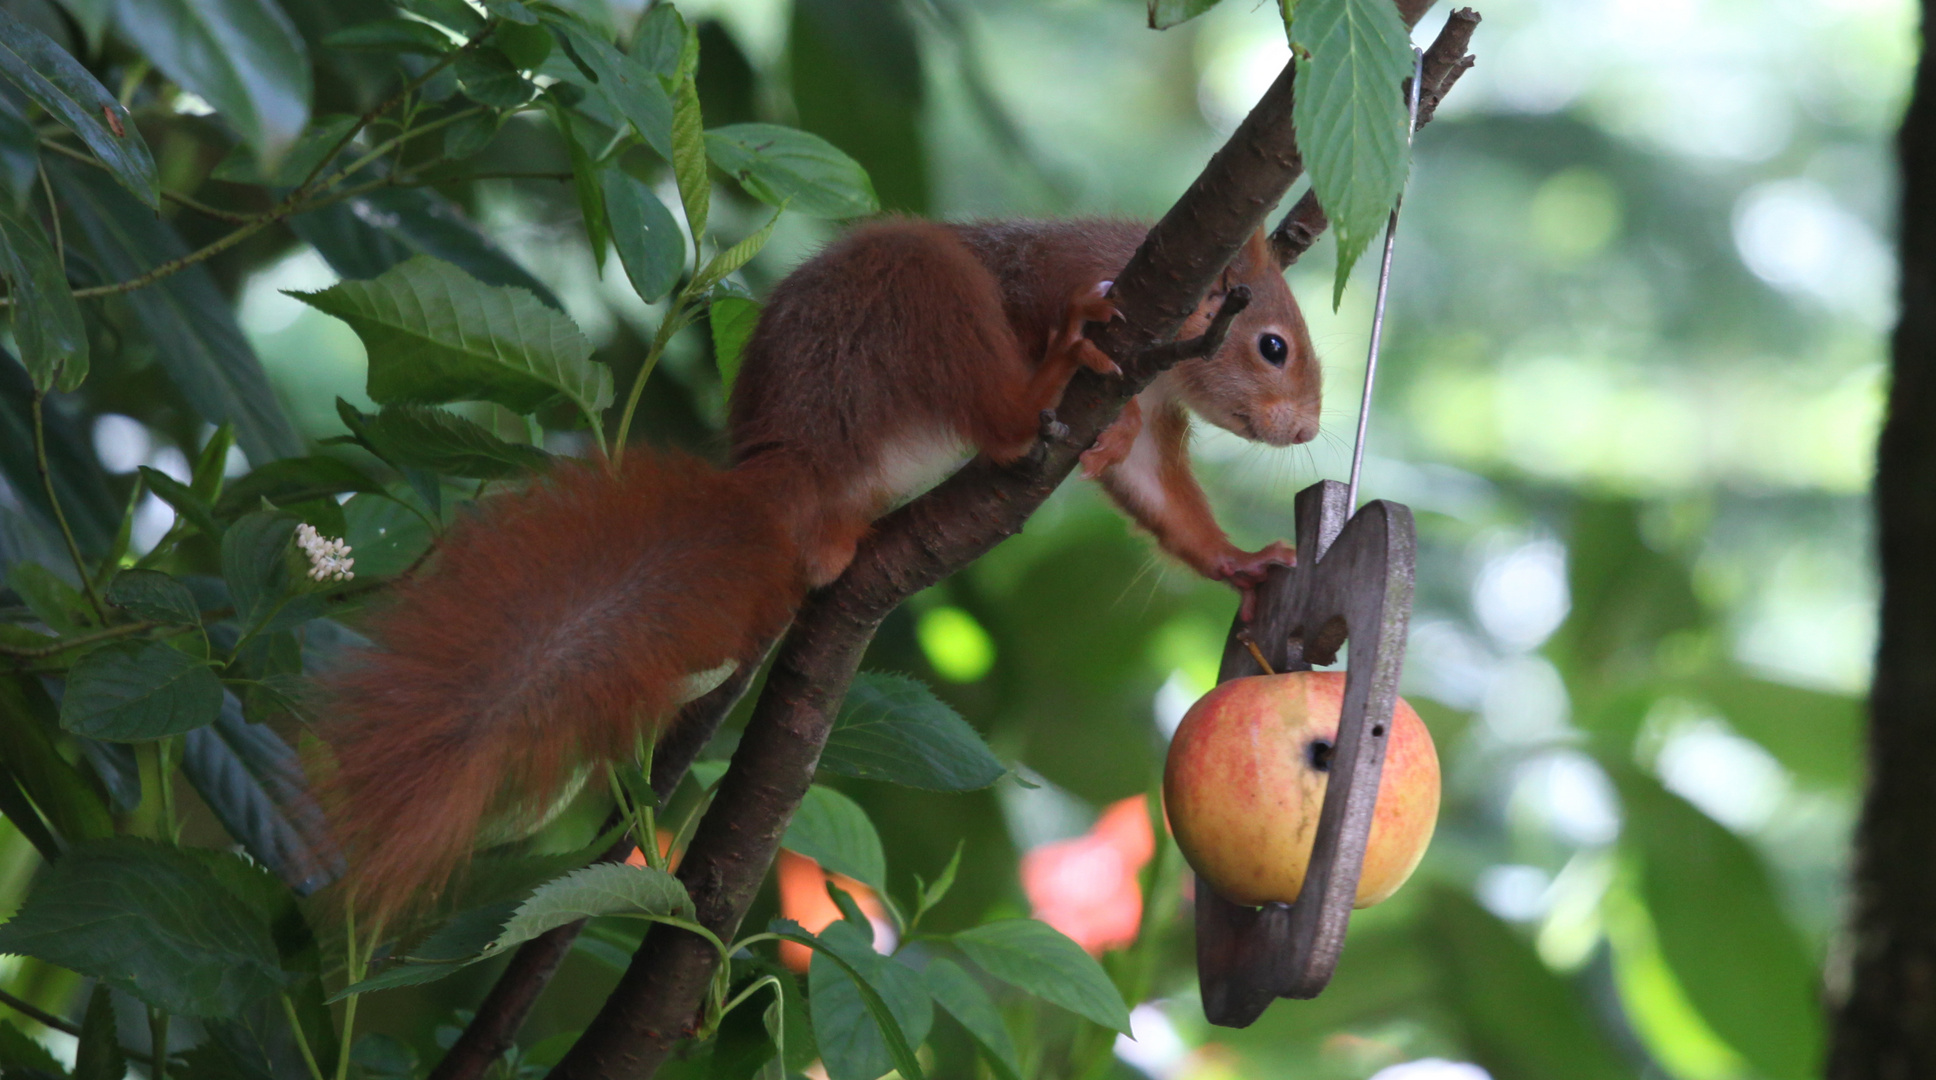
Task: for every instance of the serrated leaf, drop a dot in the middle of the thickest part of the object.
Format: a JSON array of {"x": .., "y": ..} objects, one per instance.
[
  {"x": 848, "y": 983},
  {"x": 98, "y": 1053},
  {"x": 1349, "y": 116},
  {"x": 601, "y": 889},
  {"x": 649, "y": 242},
  {"x": 832, "y": 830},
  {"x": 58, "y": 83},
  {"x": 893, "y": 728},
  {"x": 244, "y": 57},
  {"x": 23, "y": 1056},
  {"x": 427, "y": 437},
  {"x": 435, "y": 334},
  {"x": 46, "y": 320},
  {"x": 732, "y": 318},
  {"x": 154, "y": 596},
  {"x": 364, "y": 236},
  {"x": 732, "y": 258},
  {"x": 152, "y": 920},
  {"x": 964, "y": 999},
  {"x": 626, "y": 86},
  {"x": 131, "y": 693},
  {"x": 294, "y": 480},
  {"x": 784, "y": 166},
  {"x": 1036, "y": 958}
]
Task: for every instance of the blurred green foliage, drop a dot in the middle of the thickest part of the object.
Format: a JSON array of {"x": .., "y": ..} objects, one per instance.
[{"x": 1632, "y": 374}]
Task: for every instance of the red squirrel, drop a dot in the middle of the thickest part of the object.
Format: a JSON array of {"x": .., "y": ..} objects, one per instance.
[{"x": 560, "y": 623}]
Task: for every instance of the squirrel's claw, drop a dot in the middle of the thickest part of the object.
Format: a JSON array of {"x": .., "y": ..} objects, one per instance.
[
  {"x": 1246, "y": 570},
  {"x": 1091, "y": 306}
]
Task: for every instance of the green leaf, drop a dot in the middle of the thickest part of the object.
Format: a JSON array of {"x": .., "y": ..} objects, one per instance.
[
  {"x": 511, "y": 10},
  {"x": 154, "y": 596},
  {"x": 52, "y": 600},
  {"x": 932, "y": 893},
  {"x": 732, "y": 258},
  {"x": 244, "y": 57},
  {"x": 455, "y": 14},
  {"x": 1033, "y": 956},
  {"x": 256, "y": 551},
  {"x": 1816, "y": 734},
  {"x": 1722, "y": 931},
  {"x": 20, "y": 812},
  {"x": 253, "y": 782},
  {"x": 188, "y": 318},
  {"x": 211, "y": 465},
  {"x": 19, "y": 157},
  {"x": 58, "y": 83},
  {"x": 1349, "y": 116},
  {"x": 131, "y": 693},
  {"x": 1522, "y": 1020},
  {"x": 622, "y": 83},
  {"x": 92, "y": 17},
  {"x": 1164, "y": 14},
  {"x": 316, "y": 145},
  {"x": 28, "y": 720},
  {"x": 183, "y": 499},
  {"x": 733, "y": 318},
  {"x": 426, "y": 437},
  {"x": 649, "y": 243},
  {"x": 601, "y": 889},
  {"x": 435, "y": 334},
  {"x": 294, "y": 480},
  {"x": 392, "y": 36},
  {"x": 385, "y": 536},
  {"x": 783, "y": 166},
  {"x": 893, "y": 728},
  {"x": 845, "y": 973},
  {"x": 364, "y": 236},
  {"x": 20, "y": 1055},
  {"x": 98, "y": 1055},
  {"x": 659, "y": 41},
  {"x": 46, "y": 320},
  {"x": 490, "y": 78},
  {"x": 584, "y": 179},
  {"x": 689, "y": 140},
  {"x": 855, "y": 70},
  {"x": 525, "y": 44},
  {"x": 832, "y": 830},
  {"x": 964, "y": 999},
  {"x": 152, "y": 920}
]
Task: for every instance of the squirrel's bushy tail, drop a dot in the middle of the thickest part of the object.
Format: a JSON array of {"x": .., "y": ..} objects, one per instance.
[{"x": 551, "y": 630}]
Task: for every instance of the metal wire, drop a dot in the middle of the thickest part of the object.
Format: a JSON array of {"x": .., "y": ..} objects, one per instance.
[{"x": 1384, "y": 287}]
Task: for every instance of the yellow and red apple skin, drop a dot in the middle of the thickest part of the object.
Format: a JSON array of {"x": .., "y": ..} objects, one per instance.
[{"x": 1243, "y": 795}]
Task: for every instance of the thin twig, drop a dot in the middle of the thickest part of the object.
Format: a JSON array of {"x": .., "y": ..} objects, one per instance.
[
  {"x": 1169, "y": 355},
  {"x": 36, "y": 1013},
  {"x": 60, "y": 516},
  {"x": 75, "y": 642},
  {"x": 172, "y": 196}
]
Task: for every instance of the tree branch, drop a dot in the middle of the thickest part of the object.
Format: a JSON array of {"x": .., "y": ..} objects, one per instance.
[
  {"x": 1445, "y": 61},
  {"x": 656, "y": 1003}
]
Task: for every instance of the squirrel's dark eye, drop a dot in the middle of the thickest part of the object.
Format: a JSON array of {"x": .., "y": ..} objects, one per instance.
[{"x": 1274, "y": 350}]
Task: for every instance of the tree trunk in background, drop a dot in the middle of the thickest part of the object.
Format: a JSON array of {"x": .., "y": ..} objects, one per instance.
[{"x": 1886, "y": 1028}]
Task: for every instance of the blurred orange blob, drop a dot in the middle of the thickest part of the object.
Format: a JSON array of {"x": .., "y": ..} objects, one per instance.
[
  {"x": 1087, "y": 887},
  {"x": 637, "y": 858},
  {"x": 804, "y": 899}
]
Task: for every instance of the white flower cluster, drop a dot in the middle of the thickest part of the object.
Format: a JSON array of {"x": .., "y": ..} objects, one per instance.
[{"x": 329, "y": 560}]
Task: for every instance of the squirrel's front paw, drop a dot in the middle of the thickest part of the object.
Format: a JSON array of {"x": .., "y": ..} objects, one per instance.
[{"x": 1246, "y": 570}]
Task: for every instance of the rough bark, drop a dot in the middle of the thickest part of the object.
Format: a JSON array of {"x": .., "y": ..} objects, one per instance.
[{"x": 1885, "y": 1029}]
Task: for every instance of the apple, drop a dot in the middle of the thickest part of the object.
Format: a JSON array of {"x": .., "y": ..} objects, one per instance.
[{"x": 1244, "y": 786}]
